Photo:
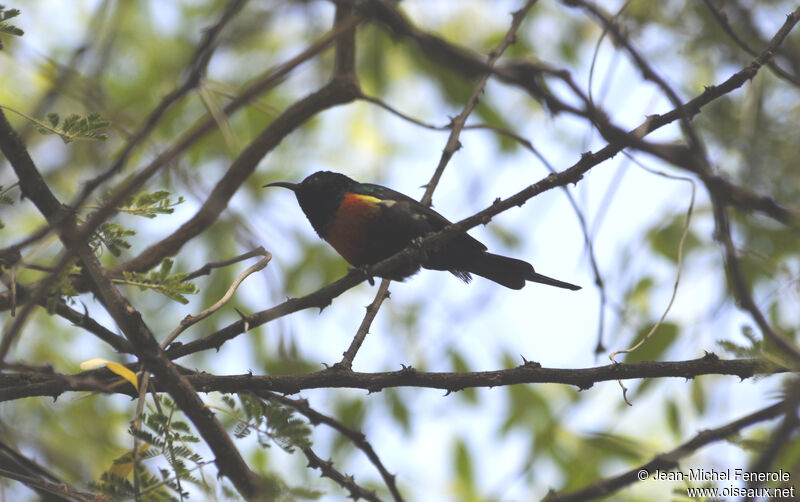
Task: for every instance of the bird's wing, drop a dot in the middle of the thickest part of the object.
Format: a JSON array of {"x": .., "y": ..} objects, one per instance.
[{"x": 402, "y": 211}]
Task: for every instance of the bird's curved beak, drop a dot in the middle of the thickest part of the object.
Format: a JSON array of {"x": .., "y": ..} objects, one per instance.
[{"x": 284, "y": 184}]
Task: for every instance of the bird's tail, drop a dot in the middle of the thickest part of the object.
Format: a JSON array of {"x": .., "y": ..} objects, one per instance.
[{"x": 512, "y": 273}]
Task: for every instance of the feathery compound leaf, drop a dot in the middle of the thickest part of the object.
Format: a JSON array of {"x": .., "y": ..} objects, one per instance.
[
  {"x": 6, "y": 28},
  {"x": 53, "y": 118},
  {"x": 164, "y": 438},
  {"x": 150, "y": 205},
  {"x": 229, "y": 401},
  {"x": 753, "y": 349},
  {"x": 113, "y": 237},
  {"x": 62, "y": 286},
  {"x": 73, "y": 127},
  {"x": 173, "y": 286},
  {"x": 272, "y": 422}
]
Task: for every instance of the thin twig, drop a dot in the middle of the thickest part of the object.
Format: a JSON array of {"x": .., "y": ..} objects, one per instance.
[
  {"x": 208, "y": 267},
  {"x": 363, "y": 329},
  {"x": 53, "y": 491},
  {"x": 449, "y": 149},
  {"x": 648, "y": 72},
  {"x": 228, "y": 459},
  {"x": 328, "y": 96},
  {"x": 677, "y": 281},
  {"x": 722, "y": 19},
  {"x": 666, "y": 461},
  {"x": 186, "y": 323},
  {"x": 345, "y": 481},
  {"x": 528, "y": 145},
  {"x": 357, "y": 437},
  {"x": 781, "y": 436},
  {"x": 458, "y": 123},
  {"x": 741, "y": 289},
  {"x": 189, "y": 320}
]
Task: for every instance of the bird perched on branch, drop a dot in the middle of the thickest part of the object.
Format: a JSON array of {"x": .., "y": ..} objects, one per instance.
[{"x": 366, "y": 223}]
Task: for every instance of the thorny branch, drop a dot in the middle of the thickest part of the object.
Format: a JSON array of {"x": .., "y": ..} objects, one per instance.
[
  {"x": 363, "y": 328},
  {"x": 28, "y": 384},
  {"x": 357, "y": 437},
  {"x": 573, "y": 174},
  {"x": 127, "y": 318},
  {"x": 528, "y": 145},
  {"x": 153, "y": 255},
  {"x": 327, "y": 470},
  {"x": 667, "y": 461},
  {"x": 183, "y": 384},
  {"x": 722, "y": 19},
  {"x": 457, "y": 124},
  {"x": 228, "y": 460}
]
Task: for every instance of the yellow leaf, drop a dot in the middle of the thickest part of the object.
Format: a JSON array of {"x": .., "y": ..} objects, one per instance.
[
  {"x": 117, "y": 368},
  {"x": 93, "y": 363},
  {"x": 124, "y": 373}
]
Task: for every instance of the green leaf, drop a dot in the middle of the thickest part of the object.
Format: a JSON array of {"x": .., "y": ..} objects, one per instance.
[
  {"x": 350, "y": 412},
  {"x": 754, "y": 347},
  {"x": 463, "y": 464},
  {"x": 528, "y": 409},
  {"x": 150, "y": 205},
  {"x": 272, "y": 422},
  {"x": 73, "y": 127},
  {"x": 63, "y": 286},
  {"x": 113, "y": 237},
  {"x": 493, "y": 118},
  {"x": 698, "y": 395},
  {"x": 172, "y": 286},
  {"x": 229, "y": 401},
  {"x": 398, "y": 409},
  {"x": 5, "y": 199},
  {"x": 652, "y": 350},
  {"x": 673, "y": 418},
  {"x": 6, "y": 28},
  {"x": 619, "y": 446},
  {"x": 664, "y": 241},
  {"x": 640, "y": 294}
]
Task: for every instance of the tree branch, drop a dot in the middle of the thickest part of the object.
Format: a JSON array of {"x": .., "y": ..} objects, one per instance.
[
  {"x": 327, "y": 470},
  {"x": 722, "y": 20},
  {"x": 525, "y": 75},
  {"x": 30, "y": 384},
  {"x": 458, "y": 123},
  {"x": 228, "y": 460},
  {"x": 357, "y": 437},
  {"x": 667, "y": 461},
  {"x": 363, "y": 328}
]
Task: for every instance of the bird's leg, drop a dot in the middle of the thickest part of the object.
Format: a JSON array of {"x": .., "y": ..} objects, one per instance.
[{"x": 364, "y": 271}]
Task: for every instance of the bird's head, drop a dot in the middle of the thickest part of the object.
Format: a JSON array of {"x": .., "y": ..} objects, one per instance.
[{"x": 319, "y": 195}]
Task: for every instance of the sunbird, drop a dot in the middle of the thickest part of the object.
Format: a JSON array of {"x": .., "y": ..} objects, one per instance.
[{"x": 366, "y": 223}]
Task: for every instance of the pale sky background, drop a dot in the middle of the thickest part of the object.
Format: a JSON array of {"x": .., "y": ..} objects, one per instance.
[{"x": 554, "y": 327}]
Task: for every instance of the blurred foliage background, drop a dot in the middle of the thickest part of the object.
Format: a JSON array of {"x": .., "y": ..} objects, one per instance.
[{"x": 118, "y": 58}]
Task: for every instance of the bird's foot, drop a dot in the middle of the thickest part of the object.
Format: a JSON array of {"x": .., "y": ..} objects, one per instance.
[{"x": 364, "y": 271}]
